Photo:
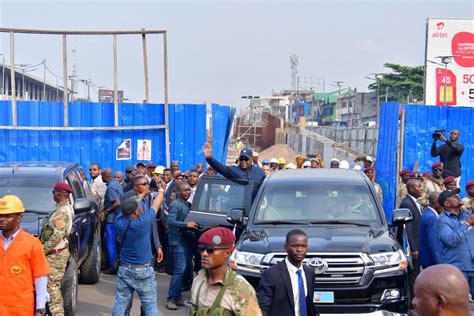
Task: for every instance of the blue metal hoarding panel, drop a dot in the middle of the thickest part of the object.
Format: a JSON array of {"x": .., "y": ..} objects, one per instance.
[
  {"x": 187, "y": 133},
  {"x": 221, "y": 115},
  {"x": 386, "y": 165},
  {"x": 422, "y": 120}
]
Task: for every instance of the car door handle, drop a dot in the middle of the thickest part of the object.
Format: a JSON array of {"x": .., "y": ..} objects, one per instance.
[{"x": 84, "y": 220}]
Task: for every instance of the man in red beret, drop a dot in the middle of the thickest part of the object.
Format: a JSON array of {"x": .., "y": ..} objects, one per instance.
[
  {"x": 402, "y": 187},
  {"x": 216, "y": 246},
  {"x": 435, "y": 181},
  {"x": 468, "y": 200},
  {"x": 370, "y": 173},
  {"x": 450, "y": 183},
  {"x": 54, "y": 237}
]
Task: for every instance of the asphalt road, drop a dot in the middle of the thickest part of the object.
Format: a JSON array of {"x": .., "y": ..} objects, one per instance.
[{"x": 98, "y": 299}]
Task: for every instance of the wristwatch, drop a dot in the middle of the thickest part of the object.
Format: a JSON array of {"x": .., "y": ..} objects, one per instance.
[{"x": 41, "y": 310}]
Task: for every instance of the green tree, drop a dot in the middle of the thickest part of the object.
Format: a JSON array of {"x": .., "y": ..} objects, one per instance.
[{"x": 404, "y": 84}]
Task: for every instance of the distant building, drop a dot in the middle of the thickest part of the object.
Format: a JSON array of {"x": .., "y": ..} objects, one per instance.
[
  {"x": 28, "y": 87},
  {"x": 356, "y": 108},
  {"x": 107, "y": 96}
]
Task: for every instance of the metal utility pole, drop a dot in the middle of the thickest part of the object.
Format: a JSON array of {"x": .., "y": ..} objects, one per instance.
[
  {"x": 44, "y": 98},
  {"x": 294, "y": 71},
  {"x": 3, "y": 76}
]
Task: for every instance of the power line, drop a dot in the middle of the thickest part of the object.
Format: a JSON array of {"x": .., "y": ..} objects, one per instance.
[{"x": 51, "y": 72}]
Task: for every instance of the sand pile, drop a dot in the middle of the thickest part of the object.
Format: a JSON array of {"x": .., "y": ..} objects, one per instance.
[{"x": 279, "y": 151}]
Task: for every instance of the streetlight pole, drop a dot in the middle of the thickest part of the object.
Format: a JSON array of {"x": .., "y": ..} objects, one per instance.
[
  {"x": 445, "y": 60},
  {"x": 3, "y": 76}
]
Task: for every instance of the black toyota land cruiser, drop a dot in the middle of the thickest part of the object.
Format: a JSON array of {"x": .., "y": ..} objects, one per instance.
[
  {"x": 33, "y": 183},
  {"x": 360, "y": 267}
]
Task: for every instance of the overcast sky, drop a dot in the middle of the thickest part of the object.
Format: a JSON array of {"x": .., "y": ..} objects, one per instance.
[{"x": 221, "y": 50}]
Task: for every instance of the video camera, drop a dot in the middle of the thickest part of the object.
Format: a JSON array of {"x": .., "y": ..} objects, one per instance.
[{"x": 437, "y": 134}]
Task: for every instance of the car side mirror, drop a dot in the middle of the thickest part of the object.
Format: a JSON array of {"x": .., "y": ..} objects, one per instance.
[
  {"x": 401, "y": 216},
  {"x": 235, "y": 216},
  {"x": 82, "y": 206}
]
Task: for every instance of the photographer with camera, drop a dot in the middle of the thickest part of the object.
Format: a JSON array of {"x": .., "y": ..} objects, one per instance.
[{"x": 449, "y": 153}]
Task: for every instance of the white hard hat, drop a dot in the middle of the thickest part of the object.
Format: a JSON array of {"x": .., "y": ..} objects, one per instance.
[
  {"x": 307, "y": 163},
  {"x": 344, "y": 164},
  {"x": 274, "y": 160}
]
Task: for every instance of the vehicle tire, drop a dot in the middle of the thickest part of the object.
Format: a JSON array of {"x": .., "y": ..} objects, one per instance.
[
  {"x": 69, "y": 287},
  {"x": 90, "y": 268}
]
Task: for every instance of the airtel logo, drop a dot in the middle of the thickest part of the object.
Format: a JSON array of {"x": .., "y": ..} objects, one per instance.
[{"x": 440, "y": 26}]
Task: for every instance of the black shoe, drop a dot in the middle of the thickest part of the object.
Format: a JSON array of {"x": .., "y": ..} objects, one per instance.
[{"x": 110, "y": 271}]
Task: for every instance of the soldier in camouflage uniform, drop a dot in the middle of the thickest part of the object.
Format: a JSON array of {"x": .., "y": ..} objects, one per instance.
[
  {"x": 468, "y": 200},
  {"x": 239, "y": 298},
  {"x": 402, "y": 191},
  {"x": 54, "y": 237}
]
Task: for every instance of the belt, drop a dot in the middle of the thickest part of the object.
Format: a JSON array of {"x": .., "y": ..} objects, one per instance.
[
  {"x": 55, "y": 251},
  {"x": 135, "y": 266}
]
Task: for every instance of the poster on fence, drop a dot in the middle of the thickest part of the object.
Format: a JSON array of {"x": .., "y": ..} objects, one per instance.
[
  {"x": 449, "y": 64},
  {"x": 144, "y": 149},
  {"x": 124, "y": 150}
]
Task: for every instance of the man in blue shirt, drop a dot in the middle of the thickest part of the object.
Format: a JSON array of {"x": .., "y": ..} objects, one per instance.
[
  {"x": 135, "y": 271},
  {"x": 456, "y": 235},
  {"x": 429, "y": 241},
  {"x": 245, "y": 170},
  {"x": 180, "y": 247},
  {"x": 112, "y": 201}
]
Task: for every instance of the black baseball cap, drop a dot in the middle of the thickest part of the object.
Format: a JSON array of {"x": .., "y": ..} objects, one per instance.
[
  {"x": 446, "y": 194},
  {"x": 141, "y": 164}
]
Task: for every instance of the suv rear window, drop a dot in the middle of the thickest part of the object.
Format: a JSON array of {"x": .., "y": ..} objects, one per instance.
[
  {"x": 223, "y": 198},
  {"x": 35, "y": 192},
  {"x": 323, "y": 201}
]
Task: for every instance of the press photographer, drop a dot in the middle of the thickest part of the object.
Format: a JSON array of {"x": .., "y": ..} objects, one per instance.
[{"x": 449, "y": 153}]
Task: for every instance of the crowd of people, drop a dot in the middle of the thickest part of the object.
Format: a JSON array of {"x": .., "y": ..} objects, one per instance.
[{"x": 144, "y": 216}]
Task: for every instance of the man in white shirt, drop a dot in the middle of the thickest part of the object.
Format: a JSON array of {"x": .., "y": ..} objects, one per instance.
[
  {"x": 98, "y": 186},
  {"x": 287, "y": 288}
]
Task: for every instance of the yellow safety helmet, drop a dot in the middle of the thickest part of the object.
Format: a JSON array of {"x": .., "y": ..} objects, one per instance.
[
  {"x": 10, "y": 204},
  {"x": 281, "y": 161}
]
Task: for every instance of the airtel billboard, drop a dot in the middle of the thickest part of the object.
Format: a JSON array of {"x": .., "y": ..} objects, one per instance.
[{"x": 449, "y": 62}]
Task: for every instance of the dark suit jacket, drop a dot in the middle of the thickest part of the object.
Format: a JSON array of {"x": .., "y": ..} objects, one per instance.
[
  {"x": 413, "y": 227},
  {"x": 275, "y": 294},
  {"x": 169, "y": 191},
  {"x": 429, "y": 241}
]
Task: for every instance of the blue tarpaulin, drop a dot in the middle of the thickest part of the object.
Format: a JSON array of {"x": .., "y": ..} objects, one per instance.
[
  {"x": 222, "y": 118},
  {"x": 187, "y": 129},
  {"x": 421, "y": 121},
  {"x": 386, "y": 165}
]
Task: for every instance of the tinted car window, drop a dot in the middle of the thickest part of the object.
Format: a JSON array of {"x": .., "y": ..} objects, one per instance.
[
  {"x": 223, "y": 197},
  {"x": 322, "y": 201},
  {"x": 35, "y": 192},
  {"x": 75, "y": 183}
]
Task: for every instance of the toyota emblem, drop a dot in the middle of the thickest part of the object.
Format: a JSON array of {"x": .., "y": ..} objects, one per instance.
[{"x": 318, "y": 264}]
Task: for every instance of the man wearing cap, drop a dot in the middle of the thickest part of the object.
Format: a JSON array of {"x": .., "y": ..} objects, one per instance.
[
  {"x": 450, "y": 183},
  {"x": 255, "y": 161},
  {"x": 24, "y": 268},
  {"x": 274, "y": 164},
  {"x": 402, "y": 187},
  {"x": 334, "y": 163},
  {"x": 281, "y": 163},
  {"x": 245, "y": 169},
  {"x": 435, "y": 181},
  {"x": 54, "y": 237},
  {"x": 135, "y": 272},
  {"x": 449, "y": 154},
  {"x": 299, "y": 161},
  {"x": 456, "y": 235},
  {"x": 238, "y": 144},
  {"x": 468, "y": 200},
  {"x": 216, "y": 246},
  {"x": 369, "y": 172},
  {"x": 142, "y": 169}
]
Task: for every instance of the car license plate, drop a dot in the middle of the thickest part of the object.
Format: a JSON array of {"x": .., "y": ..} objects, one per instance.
[{"x": 323, "y": 297}]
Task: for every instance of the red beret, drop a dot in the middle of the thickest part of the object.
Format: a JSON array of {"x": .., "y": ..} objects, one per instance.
[
  {"x": 404, "y": 172},
  {"x": 61, "y": 186},
  {"x": 436, "y": 165},
  {"x": 217, "y": 236},
  {"x": 449, "y": 179},
  {"x": 414, "y": 175},
  {"x": 151, "y": 166},
  {"x": 469, "y": 184},
  {"x": 426, "y": 174}
]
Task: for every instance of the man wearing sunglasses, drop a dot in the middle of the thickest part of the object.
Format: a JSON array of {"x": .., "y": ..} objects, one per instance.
[
  {"x": 435, "y": 181},
  {"x": 245, "y": 170},
  {"x": 449, "y": 154},
  {"x": 216, "y": 246}
]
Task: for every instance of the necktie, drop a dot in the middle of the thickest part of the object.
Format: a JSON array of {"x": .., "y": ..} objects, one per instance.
[{"x": 301, "y": 295}]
